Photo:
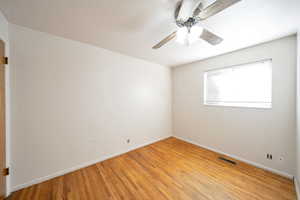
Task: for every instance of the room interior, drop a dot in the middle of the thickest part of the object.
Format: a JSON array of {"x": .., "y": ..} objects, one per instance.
[{"x": 162, "y": 99}]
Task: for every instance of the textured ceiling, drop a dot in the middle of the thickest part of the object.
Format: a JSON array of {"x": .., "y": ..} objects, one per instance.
[{"x": 132, "y": 27}]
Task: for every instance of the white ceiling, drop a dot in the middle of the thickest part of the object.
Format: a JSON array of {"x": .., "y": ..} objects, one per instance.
[{"x": 132, "y": 27}]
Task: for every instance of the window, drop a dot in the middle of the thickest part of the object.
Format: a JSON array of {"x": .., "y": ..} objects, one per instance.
[{"x": 247, "y": 85}]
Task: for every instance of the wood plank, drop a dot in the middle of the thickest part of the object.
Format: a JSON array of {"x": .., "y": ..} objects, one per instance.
[{"x": 168, "y": 169}]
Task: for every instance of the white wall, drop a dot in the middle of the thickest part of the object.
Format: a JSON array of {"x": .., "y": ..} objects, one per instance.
[
  {"x": 5, "y": 38},
  {"x": 75, "y": 104},
  {"x": 246, "y": 133}
]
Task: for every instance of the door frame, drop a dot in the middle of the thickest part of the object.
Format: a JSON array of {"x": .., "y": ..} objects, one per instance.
[{"x": 5, "y": 122}]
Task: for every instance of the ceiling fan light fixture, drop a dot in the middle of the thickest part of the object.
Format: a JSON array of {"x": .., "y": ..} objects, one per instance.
[
  {"x": 184, "y": 36},
  {"x": 181, "y": 35},
  {"x": 194, "y": 34},
  {"x": 188, "y": 32}
]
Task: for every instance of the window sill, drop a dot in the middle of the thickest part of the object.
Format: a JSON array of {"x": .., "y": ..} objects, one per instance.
[{"x": 263, "y": 107}]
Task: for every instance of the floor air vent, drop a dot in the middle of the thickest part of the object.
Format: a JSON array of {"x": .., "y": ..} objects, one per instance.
[{"x": 227, "y": 160}]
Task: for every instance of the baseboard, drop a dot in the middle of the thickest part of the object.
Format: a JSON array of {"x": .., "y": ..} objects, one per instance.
[
  {"x": 296, "y": 184},
  {"x": 83, "y": 165},
  {"x": 275, "y": 171}
]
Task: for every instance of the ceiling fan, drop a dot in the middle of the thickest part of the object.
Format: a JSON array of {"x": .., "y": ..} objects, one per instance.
[{"x": 188, "y": 14}]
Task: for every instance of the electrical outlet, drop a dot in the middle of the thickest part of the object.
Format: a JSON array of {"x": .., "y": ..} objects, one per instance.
[
  {"x": 281, "y": 158},
  {"x": 269, "y": 156}
]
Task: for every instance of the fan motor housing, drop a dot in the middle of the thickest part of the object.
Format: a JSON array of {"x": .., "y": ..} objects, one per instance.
[{"x": 188, "y": 23}]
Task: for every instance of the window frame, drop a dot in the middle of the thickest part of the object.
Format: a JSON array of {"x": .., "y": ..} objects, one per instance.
[{"x": 238, "y": 106}]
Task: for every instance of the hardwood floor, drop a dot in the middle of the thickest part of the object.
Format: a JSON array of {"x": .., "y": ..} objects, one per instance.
[{"x": 169, "y": 169}]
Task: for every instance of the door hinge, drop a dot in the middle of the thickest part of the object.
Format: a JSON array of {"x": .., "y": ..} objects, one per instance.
[
  {"x": 5, "y": 171},
  {"x": 5, "y": 60}
]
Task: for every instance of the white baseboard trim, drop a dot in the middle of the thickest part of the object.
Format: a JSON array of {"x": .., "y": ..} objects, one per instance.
[
  {"x": 296, "y": 183},
  {"x": 83, "y": 165},
  {"x": 275, "y": 171}
]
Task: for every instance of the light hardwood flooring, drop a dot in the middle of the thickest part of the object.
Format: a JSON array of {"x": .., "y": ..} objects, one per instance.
[{"x": 168, "y": 169}]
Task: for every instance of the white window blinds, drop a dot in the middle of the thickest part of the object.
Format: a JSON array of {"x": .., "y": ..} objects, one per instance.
[{"x": 247, "y": 85}]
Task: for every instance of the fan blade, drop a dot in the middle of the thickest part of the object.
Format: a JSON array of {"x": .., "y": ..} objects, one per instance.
[
  {"x": 215, "y": 8},
  {"x": 186, "y": 10},
  {"x": 198, "y": 9},
  {"x": 210, "y": 37},
  {"x": 165, "y": 40},
  {"x": 178, "y": 6}
]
